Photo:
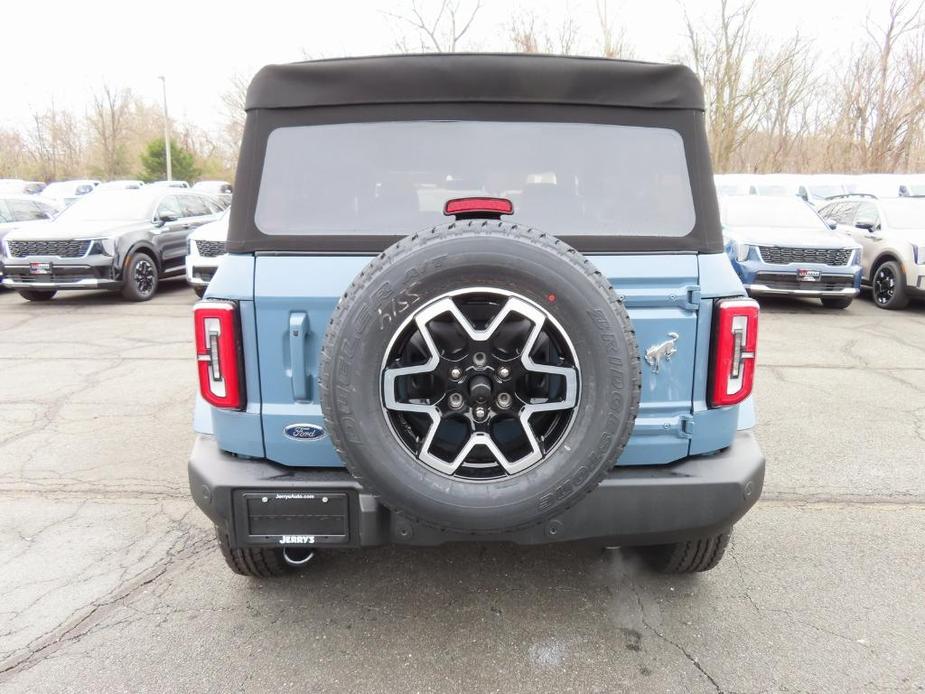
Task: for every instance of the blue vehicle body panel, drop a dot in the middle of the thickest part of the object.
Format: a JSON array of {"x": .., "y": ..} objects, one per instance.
[
  {"x": 240, "y": 432},
  {"x": 294, "y": 296},
  {"x": 290, "y": 290}
]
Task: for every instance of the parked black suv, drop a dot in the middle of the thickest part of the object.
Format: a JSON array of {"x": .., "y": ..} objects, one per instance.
[{"x": 118, "y": 239}]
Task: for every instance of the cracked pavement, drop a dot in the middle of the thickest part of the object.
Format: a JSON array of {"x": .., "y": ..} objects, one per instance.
[{"x": 109, "y": 580}]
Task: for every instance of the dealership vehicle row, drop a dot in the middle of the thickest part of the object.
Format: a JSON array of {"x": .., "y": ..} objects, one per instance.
[{"x": 818, "y": 236}]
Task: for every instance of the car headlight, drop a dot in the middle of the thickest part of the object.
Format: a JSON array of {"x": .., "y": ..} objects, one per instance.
[
  {"x": 741, "y": 250},
  {"x": 105, "y": 246},
  {"x": 919, "y": 252}
]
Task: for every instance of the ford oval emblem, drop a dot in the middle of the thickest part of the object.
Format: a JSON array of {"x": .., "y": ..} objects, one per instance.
[{"x": 305, "y": 432}]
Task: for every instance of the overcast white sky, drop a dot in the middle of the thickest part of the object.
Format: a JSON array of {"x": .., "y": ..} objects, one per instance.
[{"x": 62, "y": 49}]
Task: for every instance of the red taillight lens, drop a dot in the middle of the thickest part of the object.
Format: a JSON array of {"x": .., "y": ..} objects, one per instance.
[
  {"x": 735, "y": 339},
  {"x": 476, "y": 206},
  {"x": 221, "y": 379}
]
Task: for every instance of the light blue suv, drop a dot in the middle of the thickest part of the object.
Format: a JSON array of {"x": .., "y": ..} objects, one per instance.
[{"x": 474, "y": 298}]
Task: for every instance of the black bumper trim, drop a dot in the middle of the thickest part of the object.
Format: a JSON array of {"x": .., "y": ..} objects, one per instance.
[{"x": 696, "y": 497}]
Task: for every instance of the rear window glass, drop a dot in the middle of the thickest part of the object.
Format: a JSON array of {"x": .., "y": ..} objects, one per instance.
[{"x": 393, "y": 178}]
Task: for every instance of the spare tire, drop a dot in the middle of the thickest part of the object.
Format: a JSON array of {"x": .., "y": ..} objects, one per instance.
[{"x": 480, "y": 377}]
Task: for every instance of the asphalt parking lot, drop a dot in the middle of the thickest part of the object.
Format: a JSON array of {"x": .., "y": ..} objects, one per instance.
[{"x": 109, "y": 580}]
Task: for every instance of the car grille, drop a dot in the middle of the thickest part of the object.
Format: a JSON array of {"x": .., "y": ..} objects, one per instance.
[
  {"x": 788, "y": 282},
  {"x": 60, "y": 249},
  {"x": 826, "y": 256},
  {"x": 210, "y": 249}
]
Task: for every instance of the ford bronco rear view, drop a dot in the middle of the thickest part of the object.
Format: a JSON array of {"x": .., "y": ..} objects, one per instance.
[{"x": 474, "y": 298}]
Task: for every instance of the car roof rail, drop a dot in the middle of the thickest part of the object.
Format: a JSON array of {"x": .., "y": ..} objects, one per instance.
[{"x": 851, "y": 195}]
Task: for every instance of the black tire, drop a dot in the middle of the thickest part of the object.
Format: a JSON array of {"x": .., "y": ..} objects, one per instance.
[
  {"x": 837, "y": 301},
  {"x": 690, "y": 556},
  {"x": 888, "y": 286},
  {"x": 140, "y": 277},
  {"x": 200, "y": 291},
  {"x": 37, "y": 294},
  {"x": 507, "y": 258},
  {"x": 258, "y": 562}
]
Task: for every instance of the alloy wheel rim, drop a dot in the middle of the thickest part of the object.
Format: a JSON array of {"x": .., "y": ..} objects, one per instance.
[
  {"x": 884, "y": 286},
  {"x": 144, "y": 276},
  {"x": 480, "y": 384}
]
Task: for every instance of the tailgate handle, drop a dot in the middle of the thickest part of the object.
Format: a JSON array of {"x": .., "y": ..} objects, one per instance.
[{"x": 298, "y": 328}]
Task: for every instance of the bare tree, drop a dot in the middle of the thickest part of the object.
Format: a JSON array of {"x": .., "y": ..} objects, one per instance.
[
  {"x": 737, "y": 74},
  {"x": 13, "y": 161},
  {"x": 439, "y": 31},
  {"x": 55, "y": 143},
  {"x": 785, "y": 117},
  {"x": 529, "y": 35},
  {"x": 108, "y": 119},
  {"x": 879, "y": 101},
  {"x": 613, "y": 41}
]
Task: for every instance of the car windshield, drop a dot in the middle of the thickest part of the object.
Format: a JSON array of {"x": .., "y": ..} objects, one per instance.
[
  {"x": 395, "y": 177},
  {"x": 110, "y": 205},
  {"x": 779, "y": 191},
  {"x": 826, "y": 191},
  {"x": 779, "y": 214},
  {"x": 904, "y": 214},
  {"x": 55, "y": 189}
]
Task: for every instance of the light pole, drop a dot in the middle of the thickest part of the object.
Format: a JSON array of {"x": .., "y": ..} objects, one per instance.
[{"x": 166, "y": 129}]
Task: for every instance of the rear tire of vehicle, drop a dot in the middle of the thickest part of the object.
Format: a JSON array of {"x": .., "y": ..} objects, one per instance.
[
  {"x": 257, "y": 562},
  {"x": 36, "y": 294},
  {"x": 899, "y": 297},
  {"x": 139, "y": 279},
  {"x": 200, "y": 291},
  {"x": 690, "y": 556},
  {"x": 837, "y": 301}
]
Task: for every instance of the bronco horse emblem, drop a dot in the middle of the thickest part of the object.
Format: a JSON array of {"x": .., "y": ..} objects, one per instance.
[{"x": 663, "y": 350}]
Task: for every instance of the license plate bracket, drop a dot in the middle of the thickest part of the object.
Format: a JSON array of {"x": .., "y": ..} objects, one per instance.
[
  {"x": 41, "y": 268},
  {"x": 293, "y": 518},
  {"x": 807, "y": 275}
]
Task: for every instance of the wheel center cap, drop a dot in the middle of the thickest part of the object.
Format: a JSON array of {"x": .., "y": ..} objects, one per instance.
[{"x": 480, "y": 389}]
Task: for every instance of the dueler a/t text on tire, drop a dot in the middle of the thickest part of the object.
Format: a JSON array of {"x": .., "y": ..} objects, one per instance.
[{"x": 480, "y": 377}]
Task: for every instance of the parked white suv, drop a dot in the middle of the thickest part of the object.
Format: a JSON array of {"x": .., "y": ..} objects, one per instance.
[
  {"x": 205, "y": 249},
  {"x": 891, "y": 232}
]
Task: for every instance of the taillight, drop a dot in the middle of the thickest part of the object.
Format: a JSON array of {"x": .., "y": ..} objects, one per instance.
[
  {"x": 221, "y": 378},
  {"x": 735, "y": 339}
]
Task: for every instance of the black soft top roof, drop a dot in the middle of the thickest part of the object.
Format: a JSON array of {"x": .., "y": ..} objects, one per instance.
[{"x": 475, "y": 77}]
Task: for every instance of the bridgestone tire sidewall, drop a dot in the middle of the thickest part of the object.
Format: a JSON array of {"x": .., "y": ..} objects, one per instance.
[{"x": 425, "y": 266}]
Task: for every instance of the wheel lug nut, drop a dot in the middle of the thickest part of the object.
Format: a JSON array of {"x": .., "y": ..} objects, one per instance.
[
  {"x": 455, "y": 401},
  {"x": 504, "y": 372},
  {"x": 456, "y": 373},
  {"x": 503, "y": 400}
]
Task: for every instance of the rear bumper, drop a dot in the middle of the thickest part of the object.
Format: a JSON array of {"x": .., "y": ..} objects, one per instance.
[{"x": 699, "y": 496}]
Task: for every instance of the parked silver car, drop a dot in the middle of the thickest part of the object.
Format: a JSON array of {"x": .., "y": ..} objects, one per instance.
[{"x": 891, "y": 232}]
